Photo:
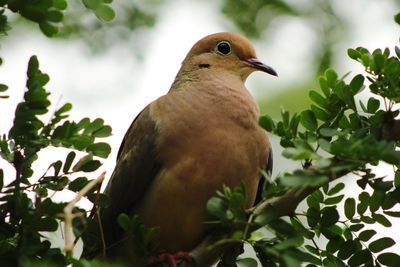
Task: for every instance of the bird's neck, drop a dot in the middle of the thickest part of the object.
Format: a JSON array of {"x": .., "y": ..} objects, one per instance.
[{"x": 208, "y": 92}]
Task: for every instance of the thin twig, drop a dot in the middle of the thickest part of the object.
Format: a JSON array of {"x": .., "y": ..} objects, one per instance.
[{"x": 69, "y": 216}]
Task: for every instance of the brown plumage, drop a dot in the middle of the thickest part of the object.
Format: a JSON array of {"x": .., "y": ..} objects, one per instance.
[{"x": 187, "y": 144}]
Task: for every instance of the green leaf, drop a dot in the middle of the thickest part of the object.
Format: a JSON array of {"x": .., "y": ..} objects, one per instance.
[
  {"x": 329, "y": 216},
  {"x": 333, "y": 200},
  {"x": 77, "y": 184},
  {"x": 216, "y": 206},
  {"x": 376, "y": 200},
  {"x": 334, "y": 244},
  {"x": 397, "y": 18},
  {"x": 388, "y": 212},
  {"x": 331, "y": 77},
  {"x": 124, "y": 221},
  {"x": 389, "y": 258},
  {"x": 48, "y": 29},
  {"x": 347, "y": 250},
  {"x": 381, "y": 244},
  {"x": 100, "y": 149},
  {"x": 68, "y": 161},
  {"x": 1, "y": 179},
  {"x": 382, "y": 220},
  {"x": 356, "y": 227},
  {"x": 54, "y": 16},
  {"x": 300, "y": 178},
  {"x": 289, "y": 242},
  {"x": 373, "y": 105},
  {"x": 60, "y": 4},
  {"x": 267, "y": 123},
  {"x": 349, "y": 208},
  {"x": 353, "y": 54},
  {"x": 3, "y": 87},
  {"x": 57, "y": 167},
  {"x": 361, "y": 257},
  {"x": 247, "y": 262},
  {"x": 318, "y": 99},
  {"x": 46, "y": 224},
  {"x": 357, "y": 84},
  {"x": 104, "y": 131},
  {"x": 86, "y": 164},
  {"x": 366, "y": 235},
  {"x": 308, "y": 120},
  {"x": 336, "y": 189},
  {"x": 104, "y": 12},
  {"x": 91, "y": 4},
  {"x": 363, "y": 202}
]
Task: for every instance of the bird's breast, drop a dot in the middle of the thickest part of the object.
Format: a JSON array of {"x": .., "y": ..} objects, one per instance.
[{"x": 199, "y": 155}]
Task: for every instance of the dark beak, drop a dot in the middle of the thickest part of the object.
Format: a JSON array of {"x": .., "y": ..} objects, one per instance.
[{"x": 261, "y": 66}]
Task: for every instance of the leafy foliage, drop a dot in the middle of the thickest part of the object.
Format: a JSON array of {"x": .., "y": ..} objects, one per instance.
[
  {"x": 338, "y": 135},
  {"x": 26, "y": 202}
]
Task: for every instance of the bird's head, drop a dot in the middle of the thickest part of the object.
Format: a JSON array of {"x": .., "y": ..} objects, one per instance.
[{"x": 225, "y": 51}]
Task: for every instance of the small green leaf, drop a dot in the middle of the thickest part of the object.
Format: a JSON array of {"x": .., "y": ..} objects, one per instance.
[
  {"x": 382, "y": 220},
  {"x": 336, "y": 189},
  {"x": 68, "y": 161},
  {"x": 397, "y": 18},
  {"x": 216, "y": 206},
  {"x": 353, "y": 54},
  {"x": 349, "y": 208},
  {"x": 99, "y": 149},
  {"x": 389, "y": 258},
  {"x": 329, "y": 216},
  {"x": 267, "y": 123},
  {"x": 318, "y": 99},
  {"x": 357, "y": 84},
  {"x": 54, "y": 16},
  {"x": 331, "y": 77},
  {"x": 46, "y": 224},
  {"x": 48, "y": 29},
  {"x": 347, "y": 250},
  {"x": 91, "y": 4},
  {"x": 373, "y": 105},
  {"x": 77, "y": 184},
  {"x": 334, "y": 244},
  {"x": 356, "y": 227},
  {"x": 247, "y": 262},
  {"x": 366, "y": 235},
  {"x": 60, "y": 4},
  {"x": 361, "y": 257},
  {"x": 308, "y": 120},
  {"x": 333, "y": 200},
  {"x": 381, "y": 244},
  {"x": 57, "y": 167},
  {"x": 3, "y": 87},
  {"x": 388, "y": 212},
  {"x": 363, "y": 202},
  {"x": 104, "y": 12},
  {"x": 124, "y": 221}
]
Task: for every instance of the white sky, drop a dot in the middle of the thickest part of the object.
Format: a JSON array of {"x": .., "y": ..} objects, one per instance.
[{"x": 115, "y": 85}]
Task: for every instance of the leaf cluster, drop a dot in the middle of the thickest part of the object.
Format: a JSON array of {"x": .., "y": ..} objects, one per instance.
[
  {"x": 26, "y": 202},
  {"x": 338, "y": 134}
]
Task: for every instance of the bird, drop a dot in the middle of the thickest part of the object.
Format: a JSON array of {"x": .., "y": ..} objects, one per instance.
[{"x": 186, "y": 145}]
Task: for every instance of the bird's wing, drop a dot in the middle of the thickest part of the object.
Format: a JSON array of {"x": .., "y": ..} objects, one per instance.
[
  {"x": 135, "y": 170},
  {"x": 268, "y": 168}
]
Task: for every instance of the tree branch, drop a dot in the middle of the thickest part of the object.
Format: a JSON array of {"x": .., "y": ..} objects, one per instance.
[{"x": 69, "y": 216}]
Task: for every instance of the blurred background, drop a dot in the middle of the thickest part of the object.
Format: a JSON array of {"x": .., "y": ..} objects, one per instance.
[{"x": 113, "y": 70}]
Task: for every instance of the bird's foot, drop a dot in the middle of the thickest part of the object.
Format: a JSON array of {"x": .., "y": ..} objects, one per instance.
[{"x": 172, "y": 260}]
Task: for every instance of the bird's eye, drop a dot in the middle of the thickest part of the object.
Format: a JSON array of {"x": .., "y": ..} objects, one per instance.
[{"x": 224, "y": 47}]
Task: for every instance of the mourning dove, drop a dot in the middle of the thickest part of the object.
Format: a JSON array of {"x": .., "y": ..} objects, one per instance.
[{"x": 187, "y": 144}]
